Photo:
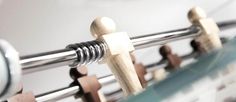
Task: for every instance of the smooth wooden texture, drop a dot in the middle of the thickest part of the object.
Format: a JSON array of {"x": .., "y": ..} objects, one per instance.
[
  {"x": 118, "y": 58},
  {"x": 125, "y": 73},
  {"x": 24, "y": 97},
  {"x": 89, "y": 87},
  {"x": 101, "y": 26},
  {"x": 209, "y": 37}
]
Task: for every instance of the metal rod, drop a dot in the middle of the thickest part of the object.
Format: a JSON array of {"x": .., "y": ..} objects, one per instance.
[
  {"x": 70, "y": 91},
  {"x": 105, "y": 80},
  {"x": 47, "y": 60},
  {"x": 149, "y": 40},
  {"x": 52, "y": 96},
  {"x": 225, "y": 25},
  {"x": 63, "y": 57}
]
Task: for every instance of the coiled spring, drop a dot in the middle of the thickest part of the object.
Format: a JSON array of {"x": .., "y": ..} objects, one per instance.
[{"x": 88, "y": 52}]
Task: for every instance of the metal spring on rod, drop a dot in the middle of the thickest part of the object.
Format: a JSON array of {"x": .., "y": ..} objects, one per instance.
[{"x": 88, "y": 52}]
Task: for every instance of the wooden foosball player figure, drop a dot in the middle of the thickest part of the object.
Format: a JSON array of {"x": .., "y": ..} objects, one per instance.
[
  {"x": 207, "y": 41},
  {"x": 173, "y": 62},
  {"x": 89, "y": 85},
  {"x": 208, "y": 38},
  {"x": 198, "y": 49},
  {"x": 119, "y": 47}
]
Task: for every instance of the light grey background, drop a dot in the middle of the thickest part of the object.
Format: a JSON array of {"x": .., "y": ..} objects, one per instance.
[{"x": 34, "y": 26}]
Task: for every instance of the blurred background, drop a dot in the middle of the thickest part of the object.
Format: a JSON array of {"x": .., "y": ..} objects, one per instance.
[{"x": 33, "y": 26}]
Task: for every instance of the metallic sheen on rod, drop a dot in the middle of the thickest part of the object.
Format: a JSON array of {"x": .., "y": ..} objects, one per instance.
[
  {"x": 149, "y": 40},
  {"x": 47, "y": 60},
  {"x": 70, "y": 91},
  {"x": 57, "y": 94},
  {"x": 105, "y": 80},
  {"x": 63, "y": 57}
]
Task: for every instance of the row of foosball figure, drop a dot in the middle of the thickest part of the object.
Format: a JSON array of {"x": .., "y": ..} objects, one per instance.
[
  {"x": 88, "y": 87},
  {"x": 129, "y": 74}
]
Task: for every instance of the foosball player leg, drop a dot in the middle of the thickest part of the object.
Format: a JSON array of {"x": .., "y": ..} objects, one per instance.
[{"x": 89, "y": 87}]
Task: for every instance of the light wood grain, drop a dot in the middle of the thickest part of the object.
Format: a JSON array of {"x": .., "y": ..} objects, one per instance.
[
  {"x": 118, "y": 54},
  {"x": 209, "y": 37}
]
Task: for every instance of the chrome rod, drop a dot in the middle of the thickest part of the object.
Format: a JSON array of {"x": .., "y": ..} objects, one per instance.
[
  {"x": 149, "y": 40},
  {"x": 225, "y": 25},
  {"x": 83, "y": 53},
  {"x": 46, "y": 60},
  {"x": 70, "y": 91},
  {"x": 52, "y": 96},
  {"x": 105, "y": 80}
]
